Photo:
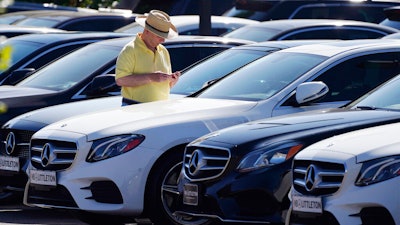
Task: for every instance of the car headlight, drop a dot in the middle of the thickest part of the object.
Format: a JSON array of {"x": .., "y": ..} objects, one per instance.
[
  {"x": 378, "y": 170},
  {"x": 112, "y": 146},
  {"x": 269, "y": 156}
]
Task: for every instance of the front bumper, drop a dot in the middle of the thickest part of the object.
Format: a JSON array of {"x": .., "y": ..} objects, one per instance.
[
  {"x": 374, "y": 204},
  {"x": 114, "y": 186},
  {"x": 256, "y": 197}
]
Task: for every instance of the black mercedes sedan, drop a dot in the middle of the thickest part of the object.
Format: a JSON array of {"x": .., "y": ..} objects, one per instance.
[
  {"x": 32, "y": 51},
  {"x": 243, "y": 173}
]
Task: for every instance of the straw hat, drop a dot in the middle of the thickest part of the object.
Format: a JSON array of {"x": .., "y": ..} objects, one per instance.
[{"x": 158, "y": 22}]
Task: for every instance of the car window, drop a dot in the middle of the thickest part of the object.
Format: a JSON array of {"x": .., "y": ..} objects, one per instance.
[
  {"x": 51, "y": 55},
  {"x": 20, "y": 49},
  {"x": 214, "y": 31},
  {"x": 354, "y": 77},
  {"x": 368, "y": 13},
  {"x": 131, "y": 28},
  {"x": 74, "y": 67},
  {"x": 264, "y": 77},
  {"x": 213, "y": 68},
  {"x": 95, "y": 24},
  {"x": 252, "y": 33},
  {"x": 387, "y": 97},
  {"x": 37, "y": 22},
  {"x": 343, "y": 33},
  {"x": 10, "y": 19},
  {"x": 391, "y": 23},
  {"x": 180, "y": 54}
]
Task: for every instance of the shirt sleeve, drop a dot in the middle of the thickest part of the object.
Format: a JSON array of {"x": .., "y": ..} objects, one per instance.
[{"x": 125, "y": 62}]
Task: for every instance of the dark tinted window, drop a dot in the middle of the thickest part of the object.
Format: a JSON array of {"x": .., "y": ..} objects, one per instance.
[
  {"x": 96, "y": 24},
  {"x": 354, "y": 77},
  {"x": 52, "y": 55},
  {"x": 190, "y": 55}
]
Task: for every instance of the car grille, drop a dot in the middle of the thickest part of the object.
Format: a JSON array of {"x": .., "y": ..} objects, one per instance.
[
  {"x": 52, "y": 155},
  {"x": 317, "y": 178},
  {"x": 22, "y": 139},
  {"x": 202, "y": 163}
]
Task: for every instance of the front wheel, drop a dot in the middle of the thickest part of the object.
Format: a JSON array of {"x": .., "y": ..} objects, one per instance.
[{"x": 162, "y": 194}]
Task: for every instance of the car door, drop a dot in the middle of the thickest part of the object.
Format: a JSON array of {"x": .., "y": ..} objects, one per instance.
[{"x": 348, "y": 80}]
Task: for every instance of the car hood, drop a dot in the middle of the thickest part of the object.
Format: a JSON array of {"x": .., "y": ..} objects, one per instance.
[
  {"x": 52, "y": 114},
  {"x": 45, "y": 116},
  {"x": 16, "y": 91},
  {"x": 363, "y": 145},
  {"x": 270, "y": 127},
  {"x": 128, "y": 119}
]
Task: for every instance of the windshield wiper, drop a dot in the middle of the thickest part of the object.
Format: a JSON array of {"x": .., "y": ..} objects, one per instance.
[{"x": 366, "y": 107}]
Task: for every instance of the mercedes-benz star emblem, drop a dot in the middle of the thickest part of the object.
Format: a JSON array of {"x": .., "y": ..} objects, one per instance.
[
  {"x": 196, "y": 162},
  {"x": 10, "y": 143},
  {"x": 46, "y": 154},
  {"x": 311, "y": 179}
]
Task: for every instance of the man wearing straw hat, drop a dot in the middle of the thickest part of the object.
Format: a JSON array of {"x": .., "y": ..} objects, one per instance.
[{"x": 143, "y": 68}]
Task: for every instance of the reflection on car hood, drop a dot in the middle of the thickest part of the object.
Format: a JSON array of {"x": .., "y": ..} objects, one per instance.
[
  {"x": 364, "y": 144},
  {"x": 52, "y": 114},
  {"x": 262, "y": 129},
  {"x": 133, "y": 118},
  {"x": 15, "y": 91}
]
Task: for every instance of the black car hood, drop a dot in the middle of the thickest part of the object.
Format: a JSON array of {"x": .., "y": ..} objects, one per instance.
[
  {"x": 7, "y": 92},
  {"x": 270, "y": 127}
]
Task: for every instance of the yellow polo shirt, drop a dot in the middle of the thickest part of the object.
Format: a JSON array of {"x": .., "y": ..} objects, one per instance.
[{"x": 136, "y": 58}]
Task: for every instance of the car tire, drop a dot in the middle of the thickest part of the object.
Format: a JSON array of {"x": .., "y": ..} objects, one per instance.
[{"x": 162, "y": 193}]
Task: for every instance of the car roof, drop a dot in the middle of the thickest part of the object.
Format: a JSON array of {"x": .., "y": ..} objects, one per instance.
[
  {"x": 30, "y": 29},
  {"x": 183, "y": 22},
  {"x": 330, "y": 49},
  {"x": 62, "y": 15},
  {"x": 287, "y": 24},
  {"x": 282, "y": 44},
  {"x": 179, "y": 20},
  {"x": 49, "y": 38},
  {"x": 180, "y": 39}
]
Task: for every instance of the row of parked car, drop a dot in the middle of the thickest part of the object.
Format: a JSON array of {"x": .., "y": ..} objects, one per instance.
[
  {"x": 161, "y": 130},
  {"x": 222, "y": 149}
]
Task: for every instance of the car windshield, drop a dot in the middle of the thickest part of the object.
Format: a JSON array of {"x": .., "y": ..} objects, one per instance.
[
  {"x": 386, "y": 96},
  {"x": 252, "y": 33},
  {"x": 37, "y": 22},
  {"x": 8, "y": 19},
  {"x": 132, "y": 28},
  {"x": 72, "y": 68},
  {"x": 391, "y": 23},
  {"x": 19, "y": 49},
  {"x": 197, "y": 76},
  {"x": 263, "y": 78}
]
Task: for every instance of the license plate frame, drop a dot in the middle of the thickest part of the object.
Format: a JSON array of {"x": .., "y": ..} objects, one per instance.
[
  {"x": 42, "y": 177},
  {"x": 308, "y": 204},
  {"x": 191, "y": 194},
  {"x": 9, "y": 163}
]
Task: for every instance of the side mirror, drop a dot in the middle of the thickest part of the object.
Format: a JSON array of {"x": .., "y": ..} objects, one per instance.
[
  {"x": 18, "y": 75},
  {"x": 102, "y": 84},
  {"x": 311, "y": 91}
]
